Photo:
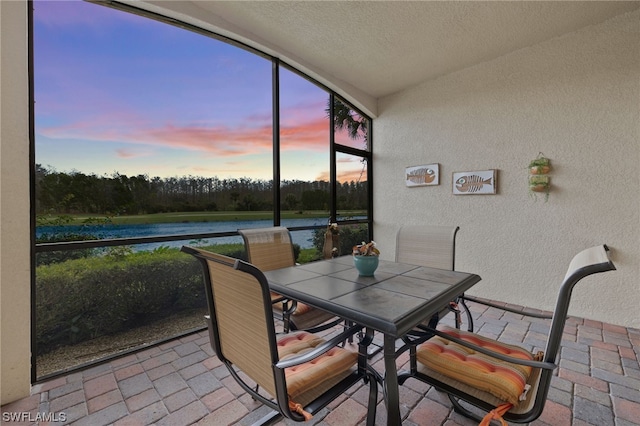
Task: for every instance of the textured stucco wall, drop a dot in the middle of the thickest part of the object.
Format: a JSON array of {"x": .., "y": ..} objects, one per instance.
[
  {"x": 14, "y": 203},
  {"x": 575, "y": 98}
]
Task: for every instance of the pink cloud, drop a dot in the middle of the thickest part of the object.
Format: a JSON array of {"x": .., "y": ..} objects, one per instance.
[
  {"x": 346, "y": 176},
  {"x": 218, "y": 140},
  {"x": 352, "y": 176},
  {"x": 127, "y": 153},
  {"x": 351, "y": 170},
  {"x": 348, "y": 160}
]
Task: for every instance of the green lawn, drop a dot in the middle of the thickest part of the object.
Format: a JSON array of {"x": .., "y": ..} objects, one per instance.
[{"x": 200, "y": 217}]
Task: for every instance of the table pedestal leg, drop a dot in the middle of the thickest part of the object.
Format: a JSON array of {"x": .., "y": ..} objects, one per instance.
[{"x": 391, "y": 381}]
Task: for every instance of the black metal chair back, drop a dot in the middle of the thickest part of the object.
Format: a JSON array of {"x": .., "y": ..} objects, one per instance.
[
  {"x": 590, "y": 261},
  {"x": 243, "y": 336}
]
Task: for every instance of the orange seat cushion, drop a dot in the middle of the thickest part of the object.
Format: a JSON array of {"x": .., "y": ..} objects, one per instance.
[
  {"x": 505, "y": 380},
  {"x": 321, "y": 370},
  {"x": 301, "y": 308},
  {"x": 297, "y": 343}
]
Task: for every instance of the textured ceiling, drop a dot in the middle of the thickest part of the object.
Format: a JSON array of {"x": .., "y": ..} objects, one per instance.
[{"x": 371, "y": 49}]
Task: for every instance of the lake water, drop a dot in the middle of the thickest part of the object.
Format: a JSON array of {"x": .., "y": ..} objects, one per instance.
[{"x": 302, "y": 238}]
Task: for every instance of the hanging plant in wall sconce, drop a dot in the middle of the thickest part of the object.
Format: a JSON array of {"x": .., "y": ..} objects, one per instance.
[{"x": 539, "y": 180}]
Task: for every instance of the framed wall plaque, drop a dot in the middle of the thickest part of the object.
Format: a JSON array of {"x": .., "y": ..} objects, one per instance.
[
  {"x": 478, "y": 182},
  {"x": 422, "y": 175}
]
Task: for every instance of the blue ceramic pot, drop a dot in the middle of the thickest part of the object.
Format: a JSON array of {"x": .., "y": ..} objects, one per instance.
[{"x": 366, "y": 265}]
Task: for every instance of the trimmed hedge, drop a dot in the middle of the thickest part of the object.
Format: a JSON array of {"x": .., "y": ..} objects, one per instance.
[{"x": 81, "y": 299}]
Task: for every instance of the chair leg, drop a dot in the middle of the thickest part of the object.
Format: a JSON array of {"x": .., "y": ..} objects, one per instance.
[
  {"x": 373, "y": 397},
  {"x": 372, "y": 348},
  {"x": 469, "y": 317},
  {"x": 287, "y": 311},
  {"x": 347, "y": 324}
]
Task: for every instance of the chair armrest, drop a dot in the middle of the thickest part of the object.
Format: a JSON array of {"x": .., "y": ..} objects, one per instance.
[
  {"x": 497, "y": 355},
  {"x": 289, "y": 305},
  {"x": 505, "y": 308},
  {"x": 319, "y": 350},
  {"x": 280, "y": 299}
]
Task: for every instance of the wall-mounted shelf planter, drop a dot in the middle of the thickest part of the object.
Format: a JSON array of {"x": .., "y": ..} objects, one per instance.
[
  {"x": 539, "y": 181},
  {"x": 539, "y": 184},
  {"x": 540, "y": 166}
]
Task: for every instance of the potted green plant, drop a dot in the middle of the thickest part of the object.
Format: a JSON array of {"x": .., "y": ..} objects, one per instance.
[
  {"x": 539, "y": 166},
  {"x": 365, "y": 258},
  {"x": 539, "y": 183}
]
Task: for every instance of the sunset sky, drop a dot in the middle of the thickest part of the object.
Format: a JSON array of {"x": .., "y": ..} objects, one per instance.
[{"x": 116, "y": 92}]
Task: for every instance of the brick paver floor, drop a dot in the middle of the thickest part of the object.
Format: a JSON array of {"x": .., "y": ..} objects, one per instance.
[{"x": 182, "y": 383}]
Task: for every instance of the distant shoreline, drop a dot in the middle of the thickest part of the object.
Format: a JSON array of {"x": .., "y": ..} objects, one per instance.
[{"x": 181, "y": 217}]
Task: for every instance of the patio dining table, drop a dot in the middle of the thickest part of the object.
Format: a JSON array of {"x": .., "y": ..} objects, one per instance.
[{"x": 392, "y": 301}]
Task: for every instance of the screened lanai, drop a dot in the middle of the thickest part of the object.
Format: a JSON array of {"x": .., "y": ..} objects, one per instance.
[{"x": 468, "y": 86}]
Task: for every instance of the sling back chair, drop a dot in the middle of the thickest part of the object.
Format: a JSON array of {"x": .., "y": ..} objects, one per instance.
[
  {"x": 506, "y": 381},
  {"x": 296, "y": 374},
  {"x": 432, "y": 246},
  {"x": 269, "y": 249}
]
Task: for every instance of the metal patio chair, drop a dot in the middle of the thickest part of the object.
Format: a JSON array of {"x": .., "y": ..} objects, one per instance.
[
  {"x": 296, "y": 374},
  {"x": 432, "y": 246},
  {"x": 271, "y": 248},
  {"x": 506, "y": 381}
]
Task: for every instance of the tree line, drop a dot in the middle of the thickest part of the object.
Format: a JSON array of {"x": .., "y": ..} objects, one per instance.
[{"x": 79, "y": 193}]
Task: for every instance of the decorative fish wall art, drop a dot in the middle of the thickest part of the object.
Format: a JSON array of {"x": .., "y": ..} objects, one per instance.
[
  {"x": 422, "y": 175},
  {"x": 479, "y": 182}
]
